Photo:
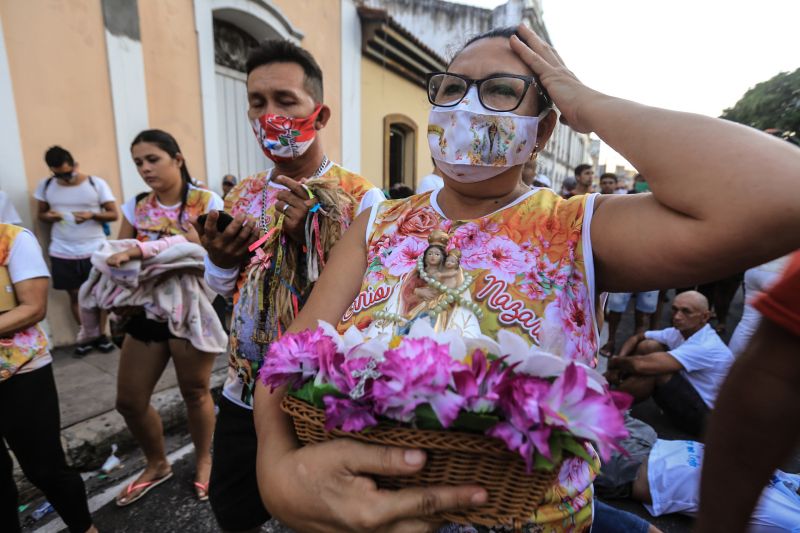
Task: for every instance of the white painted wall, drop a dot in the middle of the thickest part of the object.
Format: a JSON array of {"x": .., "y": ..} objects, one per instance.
[
  {"x": 12, "y": 169},
  {"x": 129, "y": 101}
]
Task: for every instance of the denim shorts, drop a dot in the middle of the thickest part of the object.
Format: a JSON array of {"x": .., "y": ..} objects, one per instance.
[
  {"x": 646, "y": 302},
  {"x": 609, "y": 519}
]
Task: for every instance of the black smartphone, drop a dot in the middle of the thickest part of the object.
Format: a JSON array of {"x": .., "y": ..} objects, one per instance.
[{"x": 222, "y": 222}]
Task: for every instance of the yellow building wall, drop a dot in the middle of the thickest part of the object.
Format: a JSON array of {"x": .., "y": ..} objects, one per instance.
[
  {"x": 59, "y": 74},
  {"x": 321, "y": 23},
  {"x": 172, "y": 76},
  {"x": 384, "y": 93}
]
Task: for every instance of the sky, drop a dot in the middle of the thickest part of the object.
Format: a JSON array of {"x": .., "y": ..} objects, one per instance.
[{"x": 699, "y": 56}]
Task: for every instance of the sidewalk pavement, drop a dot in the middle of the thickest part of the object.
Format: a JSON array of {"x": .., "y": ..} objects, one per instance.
[{"x": 90, "y": 424}]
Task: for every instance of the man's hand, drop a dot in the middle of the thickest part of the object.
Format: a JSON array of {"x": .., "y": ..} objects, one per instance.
[
  {"x": 227, "y": 249},
  {"x": 294, "y": 204},
  {"x": 82, "y": 216},
  {"x": 327, "y": 488}
]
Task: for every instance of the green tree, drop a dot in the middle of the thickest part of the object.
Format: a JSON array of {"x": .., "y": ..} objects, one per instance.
[{"x": 774, "y": 103}]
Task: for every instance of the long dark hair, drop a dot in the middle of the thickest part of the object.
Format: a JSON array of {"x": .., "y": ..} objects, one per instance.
[{"x": 167, "y": 142}]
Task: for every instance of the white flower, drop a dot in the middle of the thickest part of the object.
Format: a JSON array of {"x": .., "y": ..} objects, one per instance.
[{"x": 536, "y": 362}]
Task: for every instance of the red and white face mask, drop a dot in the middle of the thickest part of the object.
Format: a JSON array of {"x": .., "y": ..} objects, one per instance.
[{"x": 285, "y": 138}]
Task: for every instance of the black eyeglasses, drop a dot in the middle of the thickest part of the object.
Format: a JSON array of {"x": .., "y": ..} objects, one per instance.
[
  {"x": 64, "y": 175},
  {"x": 499, "y": 92}
]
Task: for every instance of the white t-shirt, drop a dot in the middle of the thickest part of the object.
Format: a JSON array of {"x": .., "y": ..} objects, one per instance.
[
  {"x": 430, "y": 182},
  {"x": 25, "y": 261},
  {"x": 756, "y": 281},
  {"x": 68, "y": 239},
  {"x": 704, "y": 357},
  {"x": 673, "y": 474},
  {"x": 8, "y": 215}
]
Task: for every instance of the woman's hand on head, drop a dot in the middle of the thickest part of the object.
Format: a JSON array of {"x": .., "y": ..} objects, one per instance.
[
  {"x": 566, "y": 90},
  {"x": 327, "y": 488}
]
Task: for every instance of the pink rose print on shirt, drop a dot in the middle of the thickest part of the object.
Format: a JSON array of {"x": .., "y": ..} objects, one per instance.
[{"x": 504, "y": 258}]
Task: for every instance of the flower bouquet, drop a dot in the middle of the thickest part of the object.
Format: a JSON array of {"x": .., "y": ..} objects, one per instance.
[{"x": 501, "y": 414}]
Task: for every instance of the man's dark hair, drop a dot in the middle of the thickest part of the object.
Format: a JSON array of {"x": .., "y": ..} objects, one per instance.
[
  {"x": 609, "y": 175},
  {"x": 283, "y": 51},
  {"x": 580, "y": 168},
  {"x": 56, "y": 156}
]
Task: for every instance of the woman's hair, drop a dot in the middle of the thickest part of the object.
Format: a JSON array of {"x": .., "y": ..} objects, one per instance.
[
  {"x": 543, "y": 99},
  {"x": 167, "y": 143}
]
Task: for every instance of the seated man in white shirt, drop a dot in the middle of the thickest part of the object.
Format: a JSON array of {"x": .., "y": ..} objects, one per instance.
[{"x": 681, "y": 367}]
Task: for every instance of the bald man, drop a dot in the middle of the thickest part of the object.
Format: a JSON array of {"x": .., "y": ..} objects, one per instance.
[{"x": 681, "y": 367}]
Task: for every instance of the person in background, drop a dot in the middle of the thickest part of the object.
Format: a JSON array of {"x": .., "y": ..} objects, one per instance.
[
  {"x": 229, "y": 181},
  {"x": 285, "y": 85},
  {"x": 622, "y": 185},
  {"x": 568, "y": 187},
  {"x": 681, "y": 367},
  {"x": 165, "y": 210},
  {"x": 540, "y": 180},
  {"x": 608, "y": 183},
  {"x": 30, "y": 417},
  {"x": 757, "y": 281},
  {"x": 430, "y": 182},
  {"x": 639, "y": 185},
  {"x": 584, "y": 176},
  {"x": 79, "y": 208},
  {"x": 8, "y": 215},
  {"x": 400, "y": 190},
  {"x": 756, "y": 422}
]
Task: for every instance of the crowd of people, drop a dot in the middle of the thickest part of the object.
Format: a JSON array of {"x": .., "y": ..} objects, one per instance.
[{"x": 303, "y": 240}]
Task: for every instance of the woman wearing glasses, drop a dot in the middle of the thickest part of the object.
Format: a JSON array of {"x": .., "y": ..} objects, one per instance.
[{"x": 537, "y": 260}]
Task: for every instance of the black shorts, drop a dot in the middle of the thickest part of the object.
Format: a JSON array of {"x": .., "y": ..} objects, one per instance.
[
  {"x": 143, "y": 329},
  {"x": 69, "y": 274},
  {"x": 233, "y": 488},
  {"x": 683, "y": 404}
]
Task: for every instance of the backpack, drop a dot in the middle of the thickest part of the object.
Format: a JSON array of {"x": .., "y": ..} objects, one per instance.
[{"x": 106, "y": 226}]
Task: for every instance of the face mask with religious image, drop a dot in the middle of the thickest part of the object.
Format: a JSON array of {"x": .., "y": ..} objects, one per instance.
[
  {"x": 285, "y": 138},
  {"x": 471, "y": 143}
]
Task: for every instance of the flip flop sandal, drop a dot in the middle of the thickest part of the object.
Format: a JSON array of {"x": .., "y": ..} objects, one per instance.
[
  {"x": 201, "y": 490},
  {"x": 146, "y": 485}
]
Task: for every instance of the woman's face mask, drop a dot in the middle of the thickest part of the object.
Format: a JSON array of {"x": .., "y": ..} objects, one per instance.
[
  {"x": 471, "y": 143},
  {"x": 285, "y": 138}
]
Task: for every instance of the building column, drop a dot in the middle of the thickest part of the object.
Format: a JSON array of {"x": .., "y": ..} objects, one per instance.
[
  {"x": 12, "y": 169},
  {"x": 351, "y": 87},
  {"x": 128, "y": 88}
]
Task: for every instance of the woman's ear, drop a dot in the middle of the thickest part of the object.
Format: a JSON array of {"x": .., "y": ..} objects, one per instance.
[
  {"x": 323, "y": 117},
  {"x": 179, "y": 159},
  {"x": 546, "y": 127}
]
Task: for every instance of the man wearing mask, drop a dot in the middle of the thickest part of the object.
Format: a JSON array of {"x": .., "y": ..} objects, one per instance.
[
  {"x": 271, "y": 210},
  {"x": 79, "y": 208},
  {"x": 639, "y": 185}
]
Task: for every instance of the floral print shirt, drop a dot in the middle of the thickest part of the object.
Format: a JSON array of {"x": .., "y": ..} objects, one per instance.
[
  {"x": 249, "y": 198},
  {"x": 533, "y": 275},
  {"x": 26, "y": 350},
  {"x": 152, "y": 220}
]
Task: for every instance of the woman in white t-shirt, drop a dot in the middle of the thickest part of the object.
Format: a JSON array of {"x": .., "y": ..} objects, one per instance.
[
  {"x": 163, "y": 211},
  {"x": 78, "y": 207},
  {"x": 29, "y": 418}
]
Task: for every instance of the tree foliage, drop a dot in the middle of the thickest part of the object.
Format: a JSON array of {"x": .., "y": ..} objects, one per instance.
[{"x": 774, "y": 103}]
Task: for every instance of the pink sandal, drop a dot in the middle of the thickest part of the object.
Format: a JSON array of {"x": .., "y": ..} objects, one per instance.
[
  {"x": 201, "y": 490},
  {"x": 146, "y": 485}
]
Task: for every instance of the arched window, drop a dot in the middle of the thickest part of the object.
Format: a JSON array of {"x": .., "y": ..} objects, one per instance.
[{"x": 399, "y": 151}]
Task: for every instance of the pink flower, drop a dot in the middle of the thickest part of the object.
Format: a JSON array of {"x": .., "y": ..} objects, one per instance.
[
  {"x": 469, "y": 237},
  {"x": 575, "y": 473},
  {"x": 479, "y": 383},
  {"x": 504, "y": 258},
  {"x": 347, "y": 414},
  {"x": 418, "y": 223},
  {"x": 524, "y": 430},
  {"x": 418, "y": 371},
  {"x": 296, "y": 358},
  {"x": 404, "y": 257},
  {"x": 571, "y": 405}
]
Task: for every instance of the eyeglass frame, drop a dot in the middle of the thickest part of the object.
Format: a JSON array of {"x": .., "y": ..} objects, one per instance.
[{"x": 529, "y": 80}]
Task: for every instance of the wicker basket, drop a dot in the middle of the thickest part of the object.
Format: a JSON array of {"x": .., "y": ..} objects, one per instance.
[{"x": 454, "y": 458}]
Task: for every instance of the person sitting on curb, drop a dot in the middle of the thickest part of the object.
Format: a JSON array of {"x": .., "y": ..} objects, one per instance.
[{"x": 681, "y": 367}]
